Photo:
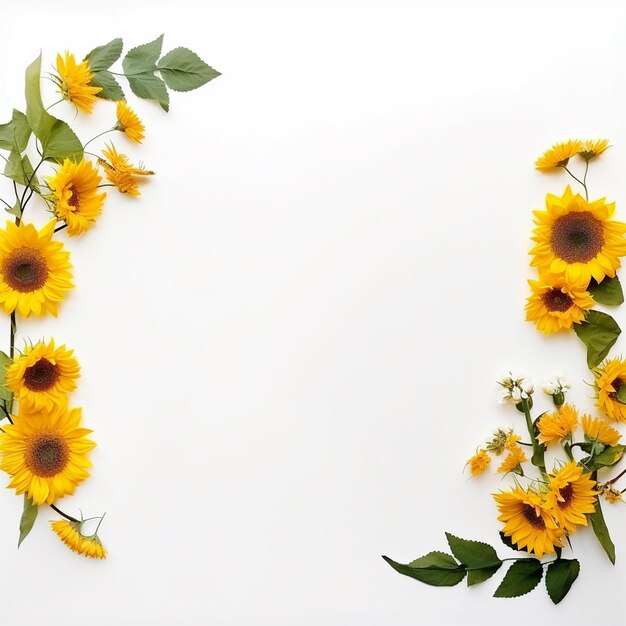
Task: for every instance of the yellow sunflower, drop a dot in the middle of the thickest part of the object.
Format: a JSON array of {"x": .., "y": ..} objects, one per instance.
[
  {"x": 75, "y": 193},
  {"x": 43, "y": 376},
  {"x": 559, "y": 424},
  {"x": 528, "y": 522},
  {"x": 513, "y": 461},
  {"x": 556, "y": 304},
  {"x": 479, "y": 462},
  {"x": 71, "y": 535},
  {"x": 600, "y": 430},
  {"x": 34, "y": 269},
  {"x": 74, "y": 81},
  {"x": 120, "y": 172},
  {"x": 577, "y": 238},
  {"x": 129, "y": 123},
  {"x": 558, "y": 155},
  {"x": 609, "y": 378},
  {"x": 592, "y": 148},
  {"x": 45, "y": 453},
  {"x": 571, "y": 496}
]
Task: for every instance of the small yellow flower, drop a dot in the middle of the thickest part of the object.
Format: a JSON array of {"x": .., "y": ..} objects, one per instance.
[
  {"x": 128, "y": 122},
  {"x": 71, "y": 536},
  {"x": 592, "y": 148},
  {"x": 513, "y": 461},
  {"x": 595, "y": 428},
  {"x": 612, "y": 495},
  {"x": 479, "y": 462},
  {"x": 558, "y": 155},
  {"x": 557, "y": 425},
  {"x": 120, "y": 172},
  {"x": 73, "y": 80},
  {"x": 511, "y": 441}
]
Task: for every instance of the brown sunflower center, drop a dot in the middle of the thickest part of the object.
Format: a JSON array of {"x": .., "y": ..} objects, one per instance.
[
  {"x": 616, "y": 383},
  {"x": 46, "y": 454},
  {"x": 74, "y": 199},
  {"x": 531, "y": 516},
  {"x": 42, "y": 375},
  {"x": 577, "y": 237},
  {"x": 556, "y": 300},
  {"x": 25, "y": 270},
  {"x": 566, "y": 493}
]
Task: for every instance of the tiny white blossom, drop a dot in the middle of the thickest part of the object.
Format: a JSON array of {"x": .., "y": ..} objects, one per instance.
[
  {"x": 527, "y": 386},
  {"x": 516, "y": 394},
  {"x": 556, "y": 384}
]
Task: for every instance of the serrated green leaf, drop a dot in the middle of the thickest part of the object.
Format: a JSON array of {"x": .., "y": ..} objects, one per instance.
[
  {"x": 602, "y": 532},
  {"x": 521, "y": 578},
  {"x": 16, "y": 210},
  {"x": 102, "y": 57},
  {"x": 475, "y": 576},
  {"x": 150, "y": 87},
  {"x": 143, "y": 58},
  {"x": 598, "y": 332},
  {"x": 16, "y": 133},
  {"x": 472, "y": 554},
  {"x": 609, "y": 291},
  {"x": 20, "y": 169},
  {"x": 507, "y": 541},
  {"x": 5, "y": 361},
  {"x": 560, "y": 577},
  {"x": 184, "y": 70},
  {"x": 111, "y": 89},
  {"x": 29, "y": 515},
  {"x": 436, "y": 568}
]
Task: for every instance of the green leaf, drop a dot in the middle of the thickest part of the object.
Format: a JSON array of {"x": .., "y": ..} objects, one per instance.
[
  {"x": 621, "y": 394},
  {"x": 473, "y": 554},
  {"x": 436, "y": 568},
  {"x": 16, "y": 210},
  {"x": 184, "y": 70},
  {"x": 20, "y": 170},
  {"x": 522, "y": 577},
  {"x": 598, "y": 332},
  {"x": 609, "y": 291},
  {"x": 16, "y": 133},
  {"x": 102, "y": 57},
  {"x": 507, "y": 541},
  {"x": 5, "y": 361},
  {"x": 58, "y": 140},
  {"x": 150, "y": 87},
  {"x": 560, "y": 577},
  {"x": 29, "y": 515},
  {"x": 111, "y": 89},
  {"x": 475, "y": 576},
  {"x": 142, "y": 58},
  {"x": 602, "y": 532},
  {"x": 609, "y": 456}
]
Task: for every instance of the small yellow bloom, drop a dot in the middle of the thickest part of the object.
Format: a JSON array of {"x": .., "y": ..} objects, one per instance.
[
  {"x": 511, "y": 441},
  {"x": 120, "y": 171},
  {"x": 129, "y": 123},
  {"x": 558, "y": 155},
  {"x": 595, "y": 428},
  {"x": 592, "y": 148},
  {"x": 609, "y": 379},
  {"x": 479, "y": 462},
  {"x": 513, "y": 461},
  {"x": 557, "y": 425},
  {"x": 73, "y": 80},
  {"x": 612, "y": 495},
  {"x": 71, "y": 536}
]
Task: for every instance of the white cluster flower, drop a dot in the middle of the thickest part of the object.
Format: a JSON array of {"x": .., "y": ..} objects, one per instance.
[
  {"x": 556, "y": 384},
  {"x": 515, "y": 388}
]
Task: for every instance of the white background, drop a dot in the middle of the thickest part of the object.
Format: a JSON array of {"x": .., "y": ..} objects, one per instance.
[{"x": 289, "y": 342}]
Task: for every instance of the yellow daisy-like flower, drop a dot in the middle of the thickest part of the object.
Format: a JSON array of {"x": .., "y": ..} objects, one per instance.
[
  {"x": 577, "y": 238},
  {"x": 612, "y": 495},
  {"x": 71, "y": 536},
  {"x": 121, "y": 172},
  {"x": 511, "y": 441},
  {"x": 558, "y": 424},
  {"x": 609, "y": 378},
  {"x": 556, "y": 304},
  {"x": 600, "y": 430},
  {"x": 558, "y": 155},
  {"x": 571, "y": 496},
  {"x": 45, "y": 453},
  {"x": 513, "y": 461},
  {"x": 592, "y": 148},
  {"x": 129, "y": 123},
  {"x": 73, "y": 80},
  {"x": 43, "y": 376},
  {"x": 528, "y": 522},
  {"x": 75, "y": 193},
  {"x": 479, "y": 462},
  {"x": 34, "y": 269}
]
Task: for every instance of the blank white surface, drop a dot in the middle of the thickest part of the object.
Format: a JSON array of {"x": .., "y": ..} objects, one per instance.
[{"x": 289, "y": 342}]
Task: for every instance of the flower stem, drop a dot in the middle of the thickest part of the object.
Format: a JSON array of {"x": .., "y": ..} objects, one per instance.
[
  {"x": 537, "y": 458},
  {"x": 614, "y": 480},
  {"x": 110, "y": 130},
  {"x": 65, "y": 515},
  {"x": 578, "y": 180}
]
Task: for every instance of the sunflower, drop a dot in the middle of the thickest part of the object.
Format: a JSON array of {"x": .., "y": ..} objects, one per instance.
[
  {"x": 558, "y": 155},
  {"x": 43, "y": 376},
  {"x": 571, "y": 496},
  {"x": 479, "y": 462},
  {"x": 528, "y": 522},
  {"x": 608, "y": 380},
  {"x": 592, "y": 148},
  {"x": 557, "y": 425},
  {"x": 45, "y": 452},
  {"x": 599, "y": 430},
  {"x": 34, "y": 269},
  {"x": 128, "y": 122},
  {"x": 74, "y": 81},
  {"x": 577, "y": 238},
  {"x": 556, "y": 304},
  {"x": 513, "y": 461},
  {"x": 71, "y": 535},
  {"x": 120, "y": 172}
]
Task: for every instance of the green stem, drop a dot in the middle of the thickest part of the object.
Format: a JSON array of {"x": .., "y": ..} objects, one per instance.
[
  {"x": 537, "y": 458},
  {"x": 65, "y": 515},
  {"x": 578, "y": 180},
  {"x": 110, "y": 130},
  {"x": 585, "y": 178}
]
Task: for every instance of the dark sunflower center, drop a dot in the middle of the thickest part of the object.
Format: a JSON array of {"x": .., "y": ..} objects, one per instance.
[
  {"x": 566, "y": 493},
  {"x": 577, "y": 237},
  {"x": 41, "y": 376},
  {"x": 616, "y": 383},
  {"x": 556, "y": 300},
  {"x": 46, "y": 455},
  {"x": 535, "y": 520},
  {"x": 74, "y": 199},
  {"x": 25, "y": 270}
]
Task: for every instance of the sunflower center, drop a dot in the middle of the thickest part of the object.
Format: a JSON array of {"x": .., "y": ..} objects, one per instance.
[
  {"x": 46, "y": 455},
  {"x": 531, "y": 516},
  {"x": 577, "y": 237},
  {"x": 616, "y": 383},
  {"x": 25, "y": 270},
  {"x": 41, "y": 376},
  {"x": 556, "y": 300},
  {"x": 566, "y": 493},
  {"x": 74, "y": 199}
]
